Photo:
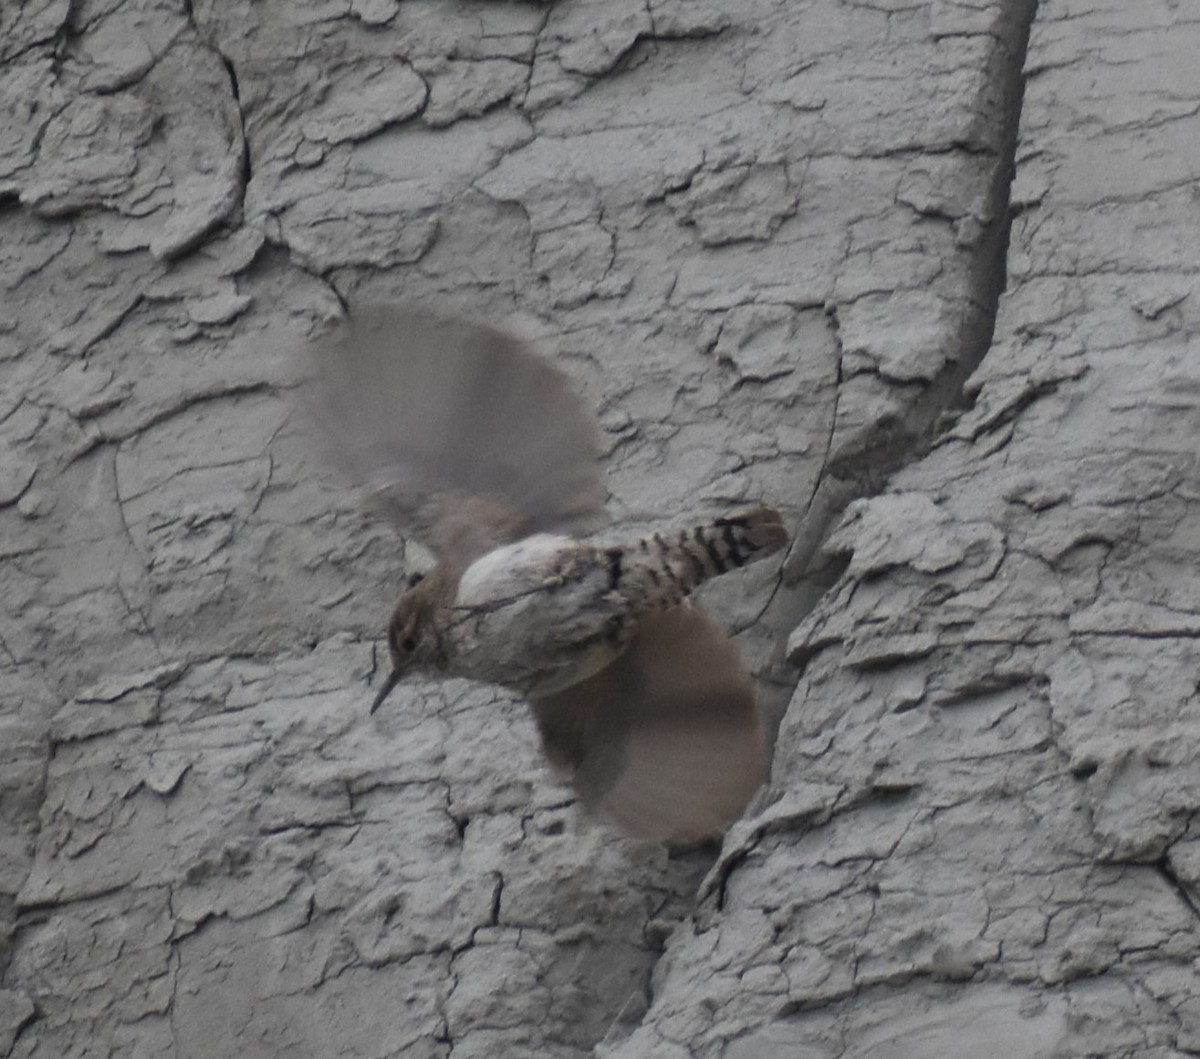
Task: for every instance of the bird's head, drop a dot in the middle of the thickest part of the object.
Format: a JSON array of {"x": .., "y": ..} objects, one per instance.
[{"x": 412, "y": 641}]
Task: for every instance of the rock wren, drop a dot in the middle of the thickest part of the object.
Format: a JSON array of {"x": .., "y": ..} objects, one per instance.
[{"x": 471, "y": 442}]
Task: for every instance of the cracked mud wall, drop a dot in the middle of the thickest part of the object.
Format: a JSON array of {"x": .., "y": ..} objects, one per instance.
[
  {"x": 767, "y": 242},
  {"x": 985, "y": 840}
]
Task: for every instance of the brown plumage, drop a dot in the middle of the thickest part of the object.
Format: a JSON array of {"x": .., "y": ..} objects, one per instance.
[{"x": 471, "y": 442}]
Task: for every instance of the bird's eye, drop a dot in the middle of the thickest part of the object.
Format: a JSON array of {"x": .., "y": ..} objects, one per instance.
[
  {"x": 415, "y": 579},
  {"x": 408, "y": 643}
]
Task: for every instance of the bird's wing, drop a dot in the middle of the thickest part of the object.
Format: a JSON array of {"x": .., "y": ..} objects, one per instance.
[
  {"x": 466, "y": 437},
  {"x": 667, "y": 742}
]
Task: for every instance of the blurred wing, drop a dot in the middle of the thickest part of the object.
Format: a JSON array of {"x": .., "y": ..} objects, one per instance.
[
  {"x": 667, "y": 742},
  {"x": 467, "y": 438}
]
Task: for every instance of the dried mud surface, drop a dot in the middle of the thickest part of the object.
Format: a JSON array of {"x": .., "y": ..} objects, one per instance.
[{"x": 921, "y": 273}]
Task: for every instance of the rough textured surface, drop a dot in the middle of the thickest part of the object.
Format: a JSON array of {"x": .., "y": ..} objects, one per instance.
[{"x": 769, "y": 242}]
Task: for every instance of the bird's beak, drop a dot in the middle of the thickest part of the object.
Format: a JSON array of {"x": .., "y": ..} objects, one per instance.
[{"x": 392, "y": 680}]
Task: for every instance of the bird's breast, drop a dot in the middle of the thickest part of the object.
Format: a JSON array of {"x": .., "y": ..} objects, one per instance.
[{"x": 537, "y": 613}]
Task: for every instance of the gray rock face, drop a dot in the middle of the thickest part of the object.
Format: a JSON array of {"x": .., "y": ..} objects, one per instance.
[{"x": 923, "y": 283}]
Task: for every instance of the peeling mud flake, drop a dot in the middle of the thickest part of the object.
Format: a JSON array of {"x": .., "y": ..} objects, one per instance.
[
  {"x": 16, "y": 475},
  {"x": 735, "y": 204},
  {"x": 911, "y": 530},
  {"x": 374, "y": 12},
  {"x": 467, "y": 89},
  {"x": 16, "y": 1012},
  {"x": 365, "y": 101}
]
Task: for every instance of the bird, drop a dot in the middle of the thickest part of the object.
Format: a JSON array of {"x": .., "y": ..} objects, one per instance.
[{"x": 469, "y": 440}]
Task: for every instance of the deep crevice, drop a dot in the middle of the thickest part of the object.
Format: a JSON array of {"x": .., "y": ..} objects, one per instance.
[
  {"x": 901, "y": 441},
  {"x": 946, "y": 396},
  {"x": 1163, "y": 867}
]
